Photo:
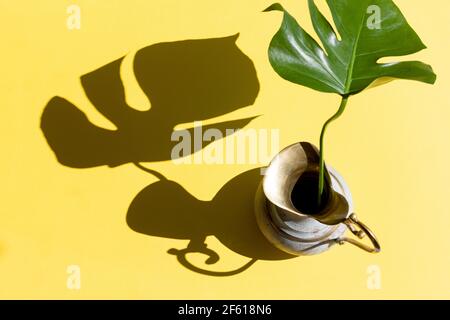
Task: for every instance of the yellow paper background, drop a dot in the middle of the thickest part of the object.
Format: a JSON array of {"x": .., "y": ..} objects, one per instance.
[{"x": 391, "y": 146}]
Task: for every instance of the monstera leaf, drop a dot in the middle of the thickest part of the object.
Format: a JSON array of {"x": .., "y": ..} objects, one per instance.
[
  {"x": 368, "y": 30},
  {"x": 347, "y": 62}
]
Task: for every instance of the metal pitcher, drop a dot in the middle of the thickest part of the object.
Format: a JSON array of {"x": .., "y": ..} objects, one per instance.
[{"x": 302, "y": 233}]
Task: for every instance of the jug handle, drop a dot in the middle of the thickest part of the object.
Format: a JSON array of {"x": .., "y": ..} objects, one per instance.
[{"x": 352, "y": 223}]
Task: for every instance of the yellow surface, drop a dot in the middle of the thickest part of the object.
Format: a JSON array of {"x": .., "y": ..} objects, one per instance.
[{"x": 391, "y": 146}]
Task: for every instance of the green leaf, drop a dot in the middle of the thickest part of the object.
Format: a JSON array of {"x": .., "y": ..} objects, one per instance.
[{"x": 347, "y": 64}]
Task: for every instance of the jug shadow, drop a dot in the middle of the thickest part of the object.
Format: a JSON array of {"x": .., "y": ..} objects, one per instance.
[
  {"x": 166, "y": 209},
  {"x": 185, "y": 81}
]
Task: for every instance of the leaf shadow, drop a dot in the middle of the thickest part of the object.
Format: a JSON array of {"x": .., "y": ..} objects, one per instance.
[{"x": 185, "y": 81}]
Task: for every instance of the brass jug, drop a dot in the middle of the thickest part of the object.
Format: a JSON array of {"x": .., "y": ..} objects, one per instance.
[{"x": 301, "y": 233}]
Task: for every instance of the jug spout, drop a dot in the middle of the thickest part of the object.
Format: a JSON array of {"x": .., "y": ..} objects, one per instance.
[{"x": 290, "y": 183}]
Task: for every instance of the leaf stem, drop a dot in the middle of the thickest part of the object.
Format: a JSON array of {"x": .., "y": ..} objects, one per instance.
[{"x": 322, "y": 134}]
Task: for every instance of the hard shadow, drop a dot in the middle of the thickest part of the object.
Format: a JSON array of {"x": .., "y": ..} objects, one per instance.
[
  {"x": 166, "y": 209},
  {"x": 185, "y": 81}
]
